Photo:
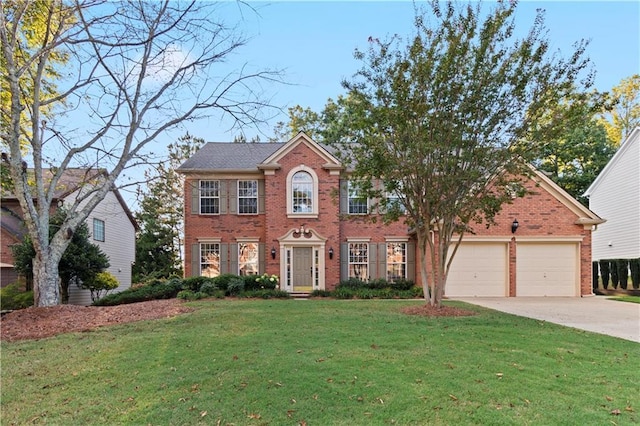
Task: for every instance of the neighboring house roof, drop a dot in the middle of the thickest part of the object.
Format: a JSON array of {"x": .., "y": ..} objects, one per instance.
[
  {"x": 625, "y": 146},
  {"x": 73, "y": 179}
]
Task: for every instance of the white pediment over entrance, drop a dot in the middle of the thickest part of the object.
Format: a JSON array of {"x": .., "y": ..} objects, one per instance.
[{"x": 303, "y": 236}]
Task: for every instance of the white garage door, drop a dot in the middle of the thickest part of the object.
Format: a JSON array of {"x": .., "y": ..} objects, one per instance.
[
  {"x": 548, "y": 269},
  {"x": 478, "y": 269}
]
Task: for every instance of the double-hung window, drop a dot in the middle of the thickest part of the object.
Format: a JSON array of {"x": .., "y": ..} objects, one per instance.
[
  {"x": 98, "y": 230},
  {"x": 209, "y": 197},
  {"x": 396, "y": 261},
  {"x": 248, "y": 259},
  {"x": 247, "y": 197},
  {"x": 209, "y": 259},
  {"x": 359, "y": 261},
  {"x": 358, "y": 204}
]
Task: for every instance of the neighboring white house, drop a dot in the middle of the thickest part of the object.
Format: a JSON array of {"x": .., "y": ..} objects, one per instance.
[
  {"x": 615, "y": 196},
  {"x": 112, "y": 228},
  {"x": 111, "y": 224}
]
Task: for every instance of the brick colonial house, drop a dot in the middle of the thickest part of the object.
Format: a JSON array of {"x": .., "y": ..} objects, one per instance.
[{"x": 286, "y": 209}]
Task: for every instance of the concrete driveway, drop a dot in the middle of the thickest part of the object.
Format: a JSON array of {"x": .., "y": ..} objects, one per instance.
[{"x": 597, "y": 314}]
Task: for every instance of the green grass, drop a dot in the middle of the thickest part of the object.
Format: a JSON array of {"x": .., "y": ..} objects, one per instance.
[
  {"x": 631, "y": 299},
  {"x": 322, "y": 362}
]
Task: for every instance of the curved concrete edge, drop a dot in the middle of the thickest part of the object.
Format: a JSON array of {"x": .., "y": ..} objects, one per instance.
[{"x": 597, "y": 314}]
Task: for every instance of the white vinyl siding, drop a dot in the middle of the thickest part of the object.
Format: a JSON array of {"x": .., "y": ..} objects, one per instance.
[
  {"x": 119, "y": 245},
  {"x": 615, "y": 197}
]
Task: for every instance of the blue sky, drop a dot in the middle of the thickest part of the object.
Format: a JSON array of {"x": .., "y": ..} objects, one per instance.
[{"x": 313, "y": 42}]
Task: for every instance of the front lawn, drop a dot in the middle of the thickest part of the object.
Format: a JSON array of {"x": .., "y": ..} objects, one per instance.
[{"x": 322, "y": 362}]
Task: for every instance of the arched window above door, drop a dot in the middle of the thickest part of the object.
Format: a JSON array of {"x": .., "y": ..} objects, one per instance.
[{"x": 302, "y": 192}]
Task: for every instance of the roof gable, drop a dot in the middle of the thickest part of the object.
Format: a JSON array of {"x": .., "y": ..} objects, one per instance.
[
  {"x": 324, "y": 152},
  {"x": 626, "y": 145},
  {"x": 585, "y": 216}
]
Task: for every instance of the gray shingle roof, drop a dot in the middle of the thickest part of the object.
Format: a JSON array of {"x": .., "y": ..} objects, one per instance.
[{"x": 229, "y": 156}]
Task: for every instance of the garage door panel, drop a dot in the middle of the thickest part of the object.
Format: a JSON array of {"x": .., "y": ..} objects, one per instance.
[
  {"x": 546, "y": 269},
  {"x": 478, "y": 269}
]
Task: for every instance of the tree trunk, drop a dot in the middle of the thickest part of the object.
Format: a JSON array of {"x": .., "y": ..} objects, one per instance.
[{"x": 46, "y": 288}]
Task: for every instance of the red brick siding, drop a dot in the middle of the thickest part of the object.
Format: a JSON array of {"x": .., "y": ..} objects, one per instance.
[{"x": 539, "y": 214}]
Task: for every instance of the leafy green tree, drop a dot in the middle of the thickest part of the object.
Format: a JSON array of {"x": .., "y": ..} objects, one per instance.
[
  {"x": 446, "y": 121},
  {"x": 80, "y": 263},
  {"x": 32, "y": 20},
  {"x": 575, "y": 154},
  {"x": 624, "y": 116},
  {"x": 300, "y": 120},
  {"x": 159, "y": 242}
]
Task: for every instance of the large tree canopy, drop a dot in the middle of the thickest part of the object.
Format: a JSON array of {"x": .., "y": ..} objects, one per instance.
[
  {"x": 624, "y": 114},
  {"x": 132, "y": 70},
  {"x": 449, "y": 121},
  {"x": 577, "y": 151}
]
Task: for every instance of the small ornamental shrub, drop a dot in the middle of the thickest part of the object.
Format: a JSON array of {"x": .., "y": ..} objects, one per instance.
[
  {"x": 235, "y": 286},
  {"x": 209, "y": 288},
  {"x": 634, "y": 266},
  {"x": 153, "y": 291},
  {"x": 595, "y": 273},
  {"x": 402, "y": 284},
  {"x": 622, "y": 265},
  {"x": 344, "y": 293},
  {"x": 604, "y": 273},
  {"x": 190, "y": 295},
  {"x": 195, "y": 283},
  {"x": 320, "y": 293},
  {"x": 12, "y": 297},
  {"x": 101, "y": 285},
  {"x": 352, "y": 283},
  {"x": 614, "y": 273},
  {"x": 266, "y": 281},
  {"x": 265, "y": 294},
  {"x": 222, "y": 281}
]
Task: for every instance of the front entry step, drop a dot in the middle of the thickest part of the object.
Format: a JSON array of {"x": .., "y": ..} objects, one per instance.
[{"x": 300, "y": 294}]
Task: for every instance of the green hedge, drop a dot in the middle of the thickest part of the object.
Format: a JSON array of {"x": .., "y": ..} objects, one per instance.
[
  {"x": 615, "y": 273},
  {"x": 14, "y": 297}
]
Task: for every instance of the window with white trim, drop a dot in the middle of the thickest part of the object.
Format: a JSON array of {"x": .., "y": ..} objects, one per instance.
[
  {"x": 396, "y": 261},
  {"x": 302, "y": 192},
  {"x": 248, "y": 259},
  {"x": 209, "y": 197},
  {"x": 359, "y": 261},
  {"x": 98, "y": 229},
  {"x": 247, "y": 197},
  {"x": 209, "y": 259},
  {"x": 358, "y": 204}
]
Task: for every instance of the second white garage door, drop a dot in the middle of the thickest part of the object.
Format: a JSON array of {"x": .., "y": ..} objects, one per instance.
[
  {"x": 546, "y": 269},
  {"x": 479, "y": 269}
]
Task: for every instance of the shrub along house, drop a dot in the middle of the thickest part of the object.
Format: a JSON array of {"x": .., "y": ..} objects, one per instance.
[{"x": 287, "y": 209}]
